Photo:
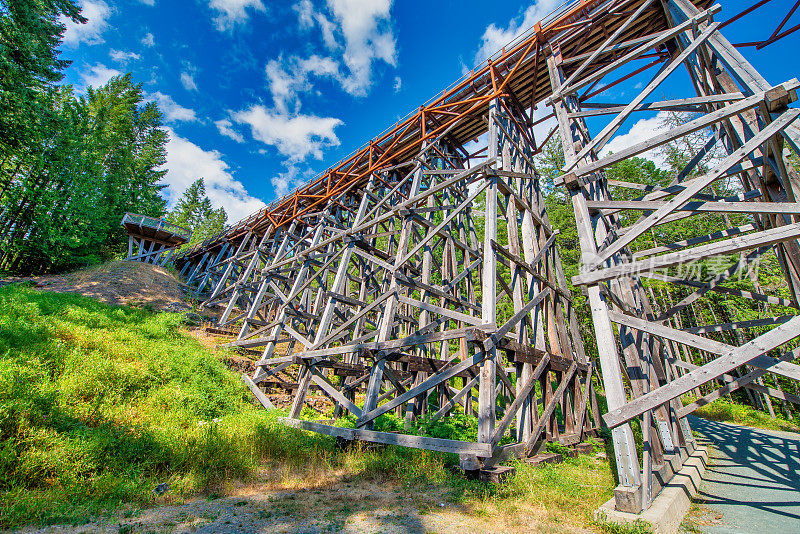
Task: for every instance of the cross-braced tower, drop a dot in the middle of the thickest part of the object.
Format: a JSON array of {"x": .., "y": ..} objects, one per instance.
[
  {"x": 402, "y": 307},
  {"x": 153, "y": 240},
  {"x": 420, "y": 275},
  {"x": 644, "y": 375}
]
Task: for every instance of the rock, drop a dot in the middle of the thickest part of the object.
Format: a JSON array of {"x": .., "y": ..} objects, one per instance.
[
  {"x": 468, "y": 462},
  {"x": 161, "y": 489}
]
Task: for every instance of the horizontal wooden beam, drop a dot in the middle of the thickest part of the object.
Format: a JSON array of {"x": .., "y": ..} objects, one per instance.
[
  {"x": 677, "y": 245},
  {"x": 747, "y": 353},
  {"x": 719, "y": 289},
  {"x": 723, "y": 327},
  {"x": 483, "y": 450},
  {"x": 789, "y": 208},
  {"x": 729, "y": 246},
  {"x": 675, "y": 104}
]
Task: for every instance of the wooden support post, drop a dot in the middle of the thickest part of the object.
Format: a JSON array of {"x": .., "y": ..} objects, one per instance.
[
  {"x": 488, "y": 374},
  {"x": 624, "y": 445}
]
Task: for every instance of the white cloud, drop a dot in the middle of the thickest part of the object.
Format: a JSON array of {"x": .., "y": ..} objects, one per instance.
[
  {"x": 295, "y": 136},
  {"x": 541, "y": 130},
  {"x": 187, "y": 162},
  {"x": 641, "y": 130},
  {"x": 287, "y": 78},
  {"x": 364, "y": 26},
  {"x": 368, "y": 37},
  {"x": 225, "y": 127},
  {"x": 97, "y": 75},
  {"x": 123, "y": 57},
  {"x": 398, "y": 84},
  {"x": 148, "y": 40},
  {"x": 358, "y": 34},
  {"x": 233, "y": 12},
  {"x": 188, "y": 81},
  {"x": 290, "y": 180},
  {"x": 494, "y": 38},
  {"x": 173, "y": 112},
  {"x": 327, "y": 28},
  {"x": 148, "y": 2},
  {"x": 96, "y": 13},
  {"x": 305, "y": 14}
]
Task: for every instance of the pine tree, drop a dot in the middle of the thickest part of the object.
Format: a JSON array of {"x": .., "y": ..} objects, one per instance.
[
  {"x": 70, "y": 167},
  {"x": 194, "y": 211},
  {"x": 100, "y": 156},
  {"x": 30, "y": 31}
]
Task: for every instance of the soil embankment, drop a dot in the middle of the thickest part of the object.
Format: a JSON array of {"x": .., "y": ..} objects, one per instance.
[{"x": 121, "y": 283}]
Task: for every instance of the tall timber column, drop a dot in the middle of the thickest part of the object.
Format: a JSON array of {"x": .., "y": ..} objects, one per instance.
[
  {"x": 307, "y": 372},
  {"x": 486, "y": 392},
  {"x": 387, "y": 322},
  {"x": 591, "y": 232}
]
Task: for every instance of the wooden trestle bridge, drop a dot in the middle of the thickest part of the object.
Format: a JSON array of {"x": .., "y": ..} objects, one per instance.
[
  {"x": 373, "y": 286},
  {"x": 151, "y": 239}
]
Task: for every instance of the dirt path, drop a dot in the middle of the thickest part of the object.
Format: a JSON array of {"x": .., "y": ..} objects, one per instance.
[
  {"x": 118, "y": 283},
  {"x": 350, "y": 507}
]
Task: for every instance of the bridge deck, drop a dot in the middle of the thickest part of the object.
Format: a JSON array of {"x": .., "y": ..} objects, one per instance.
[
  {"x": 155, "y": 229},
  {"x": 518, "y": 70}
]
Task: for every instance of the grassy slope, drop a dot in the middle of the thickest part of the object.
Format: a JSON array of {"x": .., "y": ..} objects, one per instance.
[
  {"x": 99, "y": 404},
  {"x": 739, "y": 414}
]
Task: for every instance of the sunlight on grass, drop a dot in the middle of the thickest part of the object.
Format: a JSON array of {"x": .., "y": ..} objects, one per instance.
[
  {"x": 728, "y": 411},
  {"x": 100, "y": 404}
]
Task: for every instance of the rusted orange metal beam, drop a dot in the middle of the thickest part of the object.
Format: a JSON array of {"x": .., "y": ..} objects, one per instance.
[{"x": 464, "y": 99}]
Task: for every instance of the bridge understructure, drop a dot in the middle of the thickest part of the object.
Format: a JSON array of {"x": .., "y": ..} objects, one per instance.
[
  {"x": 421, "y": 276},
  {"x": 152, "y": 240}
]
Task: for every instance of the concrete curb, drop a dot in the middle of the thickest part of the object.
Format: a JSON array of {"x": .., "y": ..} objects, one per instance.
[{"x": 670, "y": 506}]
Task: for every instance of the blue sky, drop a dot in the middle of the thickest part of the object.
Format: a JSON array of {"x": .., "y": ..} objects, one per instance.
[{"x": 259, "y": 96}]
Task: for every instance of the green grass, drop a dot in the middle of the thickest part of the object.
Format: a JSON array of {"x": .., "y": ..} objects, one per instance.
[
  {"x": 613, "y": 527},
  {"x": 725, "y": 410},
  {"x": 100, "y": 404}
]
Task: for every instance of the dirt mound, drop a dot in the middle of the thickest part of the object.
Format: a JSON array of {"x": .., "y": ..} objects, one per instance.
[{"x": 122, "y": 282}]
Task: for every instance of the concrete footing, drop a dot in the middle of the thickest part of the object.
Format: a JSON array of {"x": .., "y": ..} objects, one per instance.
[{"x": 670, "y": 506}]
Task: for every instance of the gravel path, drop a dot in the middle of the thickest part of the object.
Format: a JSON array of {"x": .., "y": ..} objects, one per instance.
[{"x": 753, "y": 482}]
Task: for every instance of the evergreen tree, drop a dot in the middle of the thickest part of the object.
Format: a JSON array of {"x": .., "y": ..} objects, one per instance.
[
  {"x": 194, "y": 211},
  {"x": 68, "y": 187},
  {"x": 71, "y": 166},
  {"x": 680, "y": 151},
  {"x": 549, "y": 163},
  {"x": 30, "y": 31}
]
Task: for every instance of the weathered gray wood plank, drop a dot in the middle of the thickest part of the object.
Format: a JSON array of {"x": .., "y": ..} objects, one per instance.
[{"x": 747, "y": 353}]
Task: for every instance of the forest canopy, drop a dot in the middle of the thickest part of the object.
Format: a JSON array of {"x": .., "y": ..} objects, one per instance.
[{"x": 71, "y": 164}]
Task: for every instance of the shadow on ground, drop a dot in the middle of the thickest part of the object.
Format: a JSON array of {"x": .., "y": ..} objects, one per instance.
[{"x": 753, "y": 482}]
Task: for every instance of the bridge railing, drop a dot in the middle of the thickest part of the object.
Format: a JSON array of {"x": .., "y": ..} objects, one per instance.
[{"x": 157, "y": 224}]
